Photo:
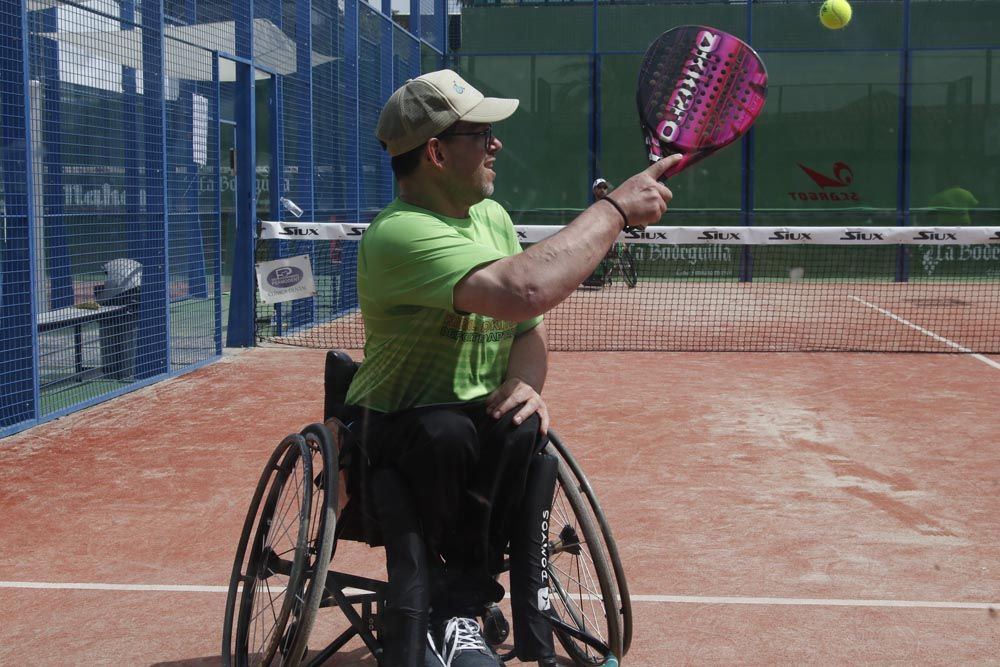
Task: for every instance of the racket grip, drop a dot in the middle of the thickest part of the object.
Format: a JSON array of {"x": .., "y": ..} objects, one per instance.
[
  {"x": 683, "y": 163},
  {"x": 672, "y": 171}
]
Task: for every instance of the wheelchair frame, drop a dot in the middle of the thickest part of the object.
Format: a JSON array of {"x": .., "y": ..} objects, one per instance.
[{"x": 282, "y": 571}]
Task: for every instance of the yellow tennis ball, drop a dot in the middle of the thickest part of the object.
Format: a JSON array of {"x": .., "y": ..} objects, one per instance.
[{"x": 835, "y": 14}]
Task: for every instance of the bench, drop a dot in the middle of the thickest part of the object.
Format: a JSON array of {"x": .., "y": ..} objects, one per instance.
[{"x": 75, "y": 317}]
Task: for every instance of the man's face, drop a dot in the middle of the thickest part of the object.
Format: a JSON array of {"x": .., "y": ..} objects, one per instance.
[
  {"x": 600, "y": 191},
  {"x": 471, "y": 160}
]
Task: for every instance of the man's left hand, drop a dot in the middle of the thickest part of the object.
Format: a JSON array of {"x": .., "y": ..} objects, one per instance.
[{"x": 514, "y": 392}]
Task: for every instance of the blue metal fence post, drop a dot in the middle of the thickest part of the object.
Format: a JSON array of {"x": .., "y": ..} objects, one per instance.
[
  {"x": 216, "y": 113},
  {"x": 275, "y": 190},
  {"x": 303, "y": 310},
  {"x": 441, "y": 12},
  {"x": 148, "y": 237},
  {"x": 190, "y": 222},
  {"x": 387, "y": 79},
  {"x": 747, "y": 182},
  {"x": 347, "y": 299},
  {"x": 414, "y": 18},
  {"x": 240, "y": 331},
  {"x": 18, "y": 346},
  {"x": 594, "y": 140},
  {"x": 57, "y": 253},
  {"x": 903, "y": 177}
]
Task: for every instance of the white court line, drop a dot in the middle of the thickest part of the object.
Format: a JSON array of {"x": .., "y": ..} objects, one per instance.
[
  {"x": 62, "y": 586},
  {"x": 676, "y": 599},
  {"x": 927, "y": 332},
  {"x": 814, "y": 602},
  {"x": 135, "y": 588}
]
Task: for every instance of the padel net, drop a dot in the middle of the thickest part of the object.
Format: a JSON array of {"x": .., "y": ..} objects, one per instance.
[{"x": 880, "y": 289}]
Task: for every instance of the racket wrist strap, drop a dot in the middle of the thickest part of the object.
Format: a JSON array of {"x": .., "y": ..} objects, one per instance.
[{"x": 618, "y": 208}]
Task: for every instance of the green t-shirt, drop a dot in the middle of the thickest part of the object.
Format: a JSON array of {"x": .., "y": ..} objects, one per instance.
[{"x": 418, "y": 349}]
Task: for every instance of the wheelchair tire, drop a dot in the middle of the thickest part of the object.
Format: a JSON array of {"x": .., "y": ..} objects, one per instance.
[
  {"x": 585, "y": 616},
  {"x": 273, "y": 596},
  {"x": 611, "y": 547},
  {"x": 319, "y": 547},
  {"x": 626, "y": 265}
]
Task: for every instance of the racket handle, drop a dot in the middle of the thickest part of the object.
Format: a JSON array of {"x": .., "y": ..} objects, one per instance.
[
  {"x": 672, "y": 171},
  {"x": 682, "y": 164}
]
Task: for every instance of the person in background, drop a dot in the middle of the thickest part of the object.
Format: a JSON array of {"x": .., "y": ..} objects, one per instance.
[
  {"x": 953, "y": 206},
  {"x": 596, "y": 279}
]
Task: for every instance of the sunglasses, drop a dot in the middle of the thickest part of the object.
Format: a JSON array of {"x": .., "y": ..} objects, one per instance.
[{"x": 487, "y": 134}]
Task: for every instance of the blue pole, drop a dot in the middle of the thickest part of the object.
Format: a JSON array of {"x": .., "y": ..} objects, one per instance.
[
  {"x": 60, "y": 269},
  {"x": 18, "y": 345},
  {"x": 240, "y": 329},
  {"x": 903, "y": 182},
  {"x": 747, "y": 181},
  {"x": 215, "y": 112},
  {"x": 414, "y": 19},
  {"x": 347, "y": 298},
  {"x": 594, "y": 140},
  {"x": 148, "y": 243}
]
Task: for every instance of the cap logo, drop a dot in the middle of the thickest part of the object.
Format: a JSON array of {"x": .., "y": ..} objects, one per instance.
[{"x": 458, "y": 89}]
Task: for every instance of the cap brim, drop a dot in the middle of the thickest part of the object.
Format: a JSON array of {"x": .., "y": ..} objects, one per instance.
[{"x": 491, "y": 110}]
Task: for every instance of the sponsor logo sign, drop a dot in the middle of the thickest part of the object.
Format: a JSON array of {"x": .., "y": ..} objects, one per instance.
[
  {"x": 285, "y": 279},
  {"x": 832, "y": 186}
]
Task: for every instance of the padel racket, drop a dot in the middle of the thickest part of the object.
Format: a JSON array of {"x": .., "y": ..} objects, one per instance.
[{"x": 699, "y": 90}]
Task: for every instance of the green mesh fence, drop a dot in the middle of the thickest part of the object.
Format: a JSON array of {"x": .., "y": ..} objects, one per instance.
[{"x": 894, "y": 109}]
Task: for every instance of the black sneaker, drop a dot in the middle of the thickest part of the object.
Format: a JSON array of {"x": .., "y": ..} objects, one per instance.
[{"x": 464, "y": 646}]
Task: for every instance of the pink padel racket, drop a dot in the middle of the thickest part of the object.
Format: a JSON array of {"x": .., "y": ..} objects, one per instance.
[{"x": 699, "y": 90}]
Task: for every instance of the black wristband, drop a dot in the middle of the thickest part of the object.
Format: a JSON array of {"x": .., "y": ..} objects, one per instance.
[{"x": 618, "y": 208}]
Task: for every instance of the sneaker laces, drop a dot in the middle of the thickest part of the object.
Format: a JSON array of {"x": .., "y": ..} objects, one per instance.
[
  {"x": 463, "y": 634},
  {"x": 432, "y": 647}
]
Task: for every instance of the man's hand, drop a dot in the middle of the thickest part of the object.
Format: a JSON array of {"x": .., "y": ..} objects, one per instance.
[
  {"x": 514, "y": 392},
  {"x": 643, "y": 197}
]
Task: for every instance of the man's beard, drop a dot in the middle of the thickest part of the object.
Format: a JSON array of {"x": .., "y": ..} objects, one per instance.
[{"x": 487, "y": 190}]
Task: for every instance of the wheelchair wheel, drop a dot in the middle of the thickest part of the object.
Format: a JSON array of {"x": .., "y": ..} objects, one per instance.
[
  {"x": 320, "y": 544},
  {"x": 626, "y": 265},
  {"x": 274, "y": 591},
  {"x": 582, "y": 588},
  {"x": 610, "y": 546}
]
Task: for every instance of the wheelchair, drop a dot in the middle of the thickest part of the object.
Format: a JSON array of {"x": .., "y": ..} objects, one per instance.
[{"x": 282, "y": 573}]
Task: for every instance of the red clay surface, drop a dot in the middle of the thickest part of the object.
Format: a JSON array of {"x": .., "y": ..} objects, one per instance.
[{"x": 839, "y": 502}]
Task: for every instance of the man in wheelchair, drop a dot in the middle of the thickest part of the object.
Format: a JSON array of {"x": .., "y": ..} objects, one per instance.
[{"x": 455, "y": 360}]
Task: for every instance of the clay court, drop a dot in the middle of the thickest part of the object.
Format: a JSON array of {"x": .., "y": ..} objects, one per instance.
[{"x": 770, "y": 509}]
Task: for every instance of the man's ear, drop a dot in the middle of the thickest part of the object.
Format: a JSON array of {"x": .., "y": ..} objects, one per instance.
[{"x": 434, "y": 153}]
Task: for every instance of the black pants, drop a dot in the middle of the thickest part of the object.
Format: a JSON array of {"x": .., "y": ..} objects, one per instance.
[{"x": 451, "y": 487}]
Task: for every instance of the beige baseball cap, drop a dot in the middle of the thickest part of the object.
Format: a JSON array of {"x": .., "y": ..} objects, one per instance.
[{"x": 428, "y": 105}]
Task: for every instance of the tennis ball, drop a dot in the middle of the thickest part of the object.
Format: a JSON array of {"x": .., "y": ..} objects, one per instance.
[{"x": 835, "y": 14}]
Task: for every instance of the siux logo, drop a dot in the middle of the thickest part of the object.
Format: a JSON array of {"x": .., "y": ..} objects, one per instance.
[
  {"x": 935, "y": 236},
  {"x": 355, "y": 231},
  {"x": 782, "y": 235},
  {"x": 843, "y": 176},
  {"x": 640, "y": 234},
  {"x": 862, "y": 236},
  {"x": 719, "y": 236},
  {"x": 521, "y": 234},
  {"x": 995, "y": 237},
  {"x": 297, "y": 231}
]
